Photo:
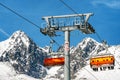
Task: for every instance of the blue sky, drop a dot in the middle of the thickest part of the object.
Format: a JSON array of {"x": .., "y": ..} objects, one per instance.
[{"x": 106, "y": 19}]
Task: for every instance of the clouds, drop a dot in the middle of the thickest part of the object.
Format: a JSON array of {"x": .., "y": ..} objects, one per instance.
[{"x": 114, "y": 4}]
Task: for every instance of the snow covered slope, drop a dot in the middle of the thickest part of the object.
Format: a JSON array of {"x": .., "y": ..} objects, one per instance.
[
  {"x": 7, "y": 72},
  {"x": 80, "y": 68},
  {"x": 86, "y": 73},
  {"x": 24, "y": 55},
  {"x": 22, "y": 59}
]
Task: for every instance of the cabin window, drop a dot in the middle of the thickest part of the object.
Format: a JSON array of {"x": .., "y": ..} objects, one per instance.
[{"x": 97, "y": 60}]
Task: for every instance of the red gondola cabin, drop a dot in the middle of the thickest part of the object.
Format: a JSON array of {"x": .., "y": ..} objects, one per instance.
[{"x": 54, "y": 61}]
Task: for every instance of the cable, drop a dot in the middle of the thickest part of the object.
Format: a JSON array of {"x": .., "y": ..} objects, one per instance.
[
  {"x": 91, "y": 74},
  {"x": 68, "y": 6},
  {"x": 101, "y": 40},
  {"x": 31, "y": 21},
  {"x": 95, "y": 32},
  {"x": 24, "y": 18},
  {"x": 114, "y": 53},
  {"x": 78, "y": 14},
  {"x": 99, "y": 37},
  {"x": 19, "y": 15},
  {"x": 54, "y": 41}
]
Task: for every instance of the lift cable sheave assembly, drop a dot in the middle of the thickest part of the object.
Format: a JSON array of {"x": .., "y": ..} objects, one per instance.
[
  {"x": 66, "y": 24},
  {"x": 60, "y": 23}
]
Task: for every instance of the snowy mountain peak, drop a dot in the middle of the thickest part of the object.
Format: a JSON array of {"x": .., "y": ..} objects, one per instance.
[
  {"x": 87, "y": 40},
  {"x": 18, "y": 34},
  {"x": 27, "y": 58},
  {"x": 18, "y": 37},
  {"x": 87, "y": 43},
  {"x": 23, "y": 54}
]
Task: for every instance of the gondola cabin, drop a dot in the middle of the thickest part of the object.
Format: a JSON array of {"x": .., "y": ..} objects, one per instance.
[
  {"x": 102, "y": 62},
  {"x": 54, "y": 61}
]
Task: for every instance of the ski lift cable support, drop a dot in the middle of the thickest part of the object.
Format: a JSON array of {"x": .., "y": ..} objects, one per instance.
[
  {"x": 51, "y": 30},
  {"x": 110, "y": 56}
]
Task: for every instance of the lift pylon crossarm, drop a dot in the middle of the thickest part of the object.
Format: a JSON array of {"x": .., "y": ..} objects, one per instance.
[
  {"x": 66, "y": 20},
  {"x": 53, "y": 24},
  {"x": 51, "y": 31},
  {"x": 67, "y": 16}
]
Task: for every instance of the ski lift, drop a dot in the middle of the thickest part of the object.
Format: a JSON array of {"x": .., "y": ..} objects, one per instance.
[
  {"x": 54, "y": 59},
  {"x": 102, "y": 61}
]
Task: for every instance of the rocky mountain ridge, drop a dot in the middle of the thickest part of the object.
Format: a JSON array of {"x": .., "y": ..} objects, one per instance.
[
  {"x": 24, "y": 55},
  {"x": 27, "y": 58}
]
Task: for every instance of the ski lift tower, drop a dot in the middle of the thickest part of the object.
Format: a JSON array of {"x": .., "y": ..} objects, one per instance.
[{"x": 66, "y": 24}]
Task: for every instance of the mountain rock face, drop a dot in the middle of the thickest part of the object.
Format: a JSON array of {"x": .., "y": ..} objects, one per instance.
[
  {"x": 27, "y": 58},
  {"x": 82, "y": 52},
  {"x": 24, "y": 55},
  {"x": 79, "y": 56}
]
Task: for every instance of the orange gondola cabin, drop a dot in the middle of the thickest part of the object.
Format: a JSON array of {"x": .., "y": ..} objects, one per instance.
[
  {"x": 54, "y": 61},
  {"x": 102, "y": 62}
]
